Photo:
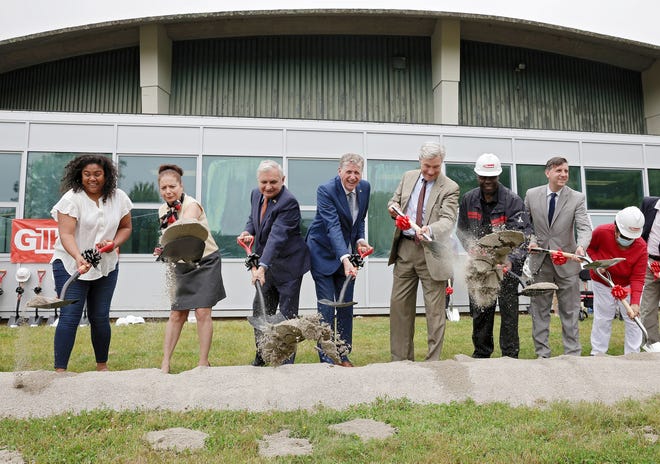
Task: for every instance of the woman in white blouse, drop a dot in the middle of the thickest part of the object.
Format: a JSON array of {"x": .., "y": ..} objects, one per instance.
[{"x": 93, "y": 213}]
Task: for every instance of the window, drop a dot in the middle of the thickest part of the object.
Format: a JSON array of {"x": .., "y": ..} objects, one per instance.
[
  {"x": 531, "y": 175},
  {"x": 9, "y": 186},
  {"x": 226, "y": 185},
  {"x": 613, "y": 189},
  {"x": 384, "y": 177},
  {"x": 466, "y": 178},
  {"x": 138, "y": 177},
  {"x": 654, "y": 182},
  {"x": 303, "y": 180},
  {"x": 44, "y": 173}
]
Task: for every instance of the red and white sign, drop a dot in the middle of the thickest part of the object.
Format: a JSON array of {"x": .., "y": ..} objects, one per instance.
[{"x": 32, "y": 240}]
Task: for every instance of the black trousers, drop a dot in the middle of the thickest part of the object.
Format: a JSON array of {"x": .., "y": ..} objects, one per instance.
[{"x": 483, "y": 320}]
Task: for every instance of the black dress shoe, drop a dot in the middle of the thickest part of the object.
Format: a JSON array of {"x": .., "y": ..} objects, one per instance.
[{"x": 258, "y": 361}]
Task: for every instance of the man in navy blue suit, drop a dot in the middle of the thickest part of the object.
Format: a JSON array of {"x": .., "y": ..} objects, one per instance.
[
  {"x": 337, "y": 232},
  {"x": 274, "y": 222}
]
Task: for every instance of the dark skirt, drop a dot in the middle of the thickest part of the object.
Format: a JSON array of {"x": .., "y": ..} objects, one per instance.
[{"x": 199, "y": 286}]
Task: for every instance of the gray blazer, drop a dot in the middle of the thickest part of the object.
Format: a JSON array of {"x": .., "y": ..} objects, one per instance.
[
  {"x": 441, "y": 213},
  {"x": 570, "y": 218}
]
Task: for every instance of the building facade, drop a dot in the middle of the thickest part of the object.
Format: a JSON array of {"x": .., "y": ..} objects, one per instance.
[{"x": 218, "y": 92}]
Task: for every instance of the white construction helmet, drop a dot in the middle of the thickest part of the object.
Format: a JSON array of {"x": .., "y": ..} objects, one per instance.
[
  {"x": 488, "y": 165},
  {"x": 22, "y": 274},
  {"x": 630, "y": 222}
]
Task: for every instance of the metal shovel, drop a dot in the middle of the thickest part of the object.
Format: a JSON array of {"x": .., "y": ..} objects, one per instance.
[
  {"x": 358, "y": 261},
  {"x": 93, "y": 257},
  {"x": 646, "y": 346},
  {"x": 587, "y": 263},
  {"x": 262, "y": 322},
  {"x": 534, "y": 289}
]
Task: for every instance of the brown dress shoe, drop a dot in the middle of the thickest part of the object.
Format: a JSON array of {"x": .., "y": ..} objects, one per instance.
[{"x": 347, "y": 363}]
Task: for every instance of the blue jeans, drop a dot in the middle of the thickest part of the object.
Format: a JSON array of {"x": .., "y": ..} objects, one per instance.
[
  {"x": 329, "y": 287},
  {"x": 98, "y": 296}
]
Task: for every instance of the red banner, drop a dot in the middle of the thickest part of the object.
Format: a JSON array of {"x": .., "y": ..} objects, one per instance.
[{"x": 32, "y": 240}]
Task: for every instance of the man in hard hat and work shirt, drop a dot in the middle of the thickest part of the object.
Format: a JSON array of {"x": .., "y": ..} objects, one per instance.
[
  {"x": 489, "y": 208},
  {"x": 621, "y": 239}
]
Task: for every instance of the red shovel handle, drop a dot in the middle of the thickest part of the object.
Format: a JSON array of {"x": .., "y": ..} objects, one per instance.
[
  {"x": 3, "y": 273},
  {"x": 246, "y": 246},
  {"x": 366, "y": 253},
  {"x": 109, "y": 247}
]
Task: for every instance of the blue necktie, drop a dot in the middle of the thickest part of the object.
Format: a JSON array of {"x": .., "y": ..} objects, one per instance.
[{"x": 551, "y": 208}]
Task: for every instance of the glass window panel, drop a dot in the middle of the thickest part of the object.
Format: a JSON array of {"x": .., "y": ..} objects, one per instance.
[
  {"x": 145, "y": 235},
  {"x": 654, "y": 182},
  {"x": 613, "y": 189},
  {"x": 533, "y": 175},
  {"x": 465, "y": 177},
  {"x": 6, "y": 215},
  {"x": 384, "y": 177},
  {"x": 138, "y": 176},
  {"x": 304, "y": 177},
  {"x": 9, "y": 176},
  {"x": 226, "y": 185},
  {"x": 598, "y": 219},
  {"x": 44, "y": 173}
]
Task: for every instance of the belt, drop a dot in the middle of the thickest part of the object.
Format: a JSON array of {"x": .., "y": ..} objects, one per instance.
[
  {"x": 654, "y": 257},
  {"x": 410, "y": 237}
]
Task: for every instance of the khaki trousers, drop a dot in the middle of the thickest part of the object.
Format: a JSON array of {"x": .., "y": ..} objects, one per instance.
[{"x": 410, "y": 269}]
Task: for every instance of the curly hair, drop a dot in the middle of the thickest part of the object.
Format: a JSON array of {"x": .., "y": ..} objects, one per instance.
[{"x": 72, "y": 178}]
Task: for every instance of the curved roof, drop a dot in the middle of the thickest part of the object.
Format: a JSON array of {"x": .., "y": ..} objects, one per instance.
[{"x": 80, "y": 37}]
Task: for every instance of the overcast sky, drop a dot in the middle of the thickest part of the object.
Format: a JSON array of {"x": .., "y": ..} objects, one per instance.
[{"x": 632, "y": 19}]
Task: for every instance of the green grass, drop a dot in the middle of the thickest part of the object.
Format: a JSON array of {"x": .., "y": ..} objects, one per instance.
[
  {"x": 457, "y": 432},
  {"x": 138, "y": 346}
]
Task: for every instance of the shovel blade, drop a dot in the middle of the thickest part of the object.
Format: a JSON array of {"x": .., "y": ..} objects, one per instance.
[
  {"x": 42, "y": 302},
  {"x": 264, "y": 323},
  {"x": 188, "y": 249},
  {"x": 602, "y": 263},
  {"x": 337, "y": 304},
  {"x": 651, "y": 348}
]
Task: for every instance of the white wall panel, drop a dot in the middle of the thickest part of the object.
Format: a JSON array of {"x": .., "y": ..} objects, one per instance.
[
  {"x": 397, "y": 146},
  {"x": 612, "y": 154},
  {"x": 221, "y": 141},
  {"x": 158, "y": 139},
  {"x": 12, "y": 135},
  {"x": 653, "y": 156},
  {"x": 323, "y": 143},
  {"x": 468, "y": 149},
  {"x": 539, "y": 151},
  {"x": 72, "y": 137}
]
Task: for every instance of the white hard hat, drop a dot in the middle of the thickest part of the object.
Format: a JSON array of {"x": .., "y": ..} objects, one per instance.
[
  {"x": 488, "y": 165},
  {"x": 22, "y": 274},
  {"x": 630, "y": 222}
]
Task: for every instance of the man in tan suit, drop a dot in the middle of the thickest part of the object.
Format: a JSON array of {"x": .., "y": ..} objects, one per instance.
[
  {"x": 429, "y": 199},
  {"x": 557, "y": 213}
]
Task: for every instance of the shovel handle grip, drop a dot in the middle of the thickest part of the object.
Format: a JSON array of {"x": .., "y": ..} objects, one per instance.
[
  {"x": 413, "y": 225},
  {"x": 565, "y": 253},
  {"x": 246, "y": 246},
  {"x": 365, "y": 253},
  {"x": 109, "y": 247}
]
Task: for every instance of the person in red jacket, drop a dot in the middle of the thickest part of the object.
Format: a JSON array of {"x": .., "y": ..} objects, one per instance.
[{"x": 622, "y": 239}]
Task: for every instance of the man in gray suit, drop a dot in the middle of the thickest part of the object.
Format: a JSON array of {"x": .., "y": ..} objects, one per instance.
[
  {"x": 430, "y": 200},
  {"x": 557, "y": 212}
]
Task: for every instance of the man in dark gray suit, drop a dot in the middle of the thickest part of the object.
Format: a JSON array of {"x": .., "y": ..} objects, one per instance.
[{"x": 557, "y": 213}]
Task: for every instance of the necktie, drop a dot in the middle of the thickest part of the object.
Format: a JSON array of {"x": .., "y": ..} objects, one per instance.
[
  {"x": 352, "y": 204},
  {"x": 264, "y": 205},
  {"x": 551, "y": 208},
  {"x": 420, "y": 204}
]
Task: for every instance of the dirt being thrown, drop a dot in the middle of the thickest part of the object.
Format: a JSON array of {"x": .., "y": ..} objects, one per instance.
[{"x": 278, "y": 342}]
